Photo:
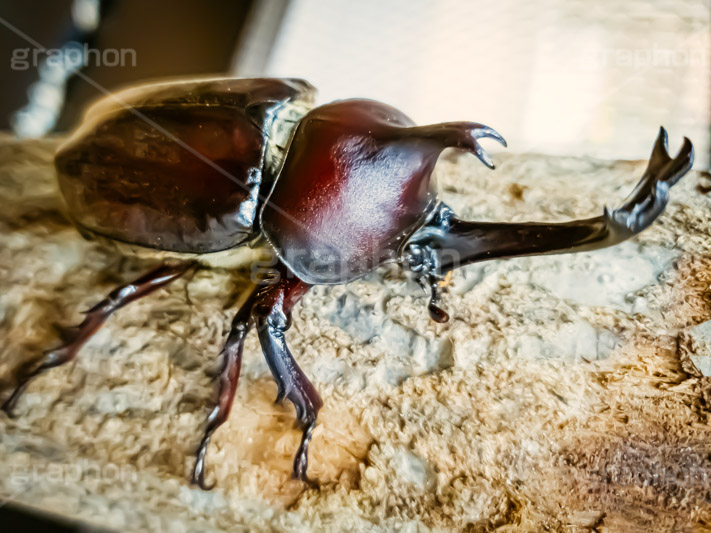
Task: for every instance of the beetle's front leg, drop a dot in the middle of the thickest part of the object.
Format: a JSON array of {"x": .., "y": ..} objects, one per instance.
[
  {"x": 231, "y": 362},
  {"x": 447, "y": 242},
  {"x": 273, "y": 313}
]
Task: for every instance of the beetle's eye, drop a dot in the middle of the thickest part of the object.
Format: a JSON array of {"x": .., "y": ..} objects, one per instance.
[{"x": 415, "y": 258}]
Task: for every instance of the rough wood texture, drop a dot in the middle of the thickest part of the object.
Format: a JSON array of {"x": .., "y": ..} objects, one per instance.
[{"x": 554, "y": 398}]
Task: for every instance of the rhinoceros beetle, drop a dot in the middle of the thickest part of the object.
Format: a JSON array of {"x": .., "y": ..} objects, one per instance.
[{"x": 199, "y": 167}]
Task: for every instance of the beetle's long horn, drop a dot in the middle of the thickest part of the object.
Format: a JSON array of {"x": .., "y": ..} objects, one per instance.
[
  {"x": 447, "y": 242},
  {"x": 461, "y": 135}
]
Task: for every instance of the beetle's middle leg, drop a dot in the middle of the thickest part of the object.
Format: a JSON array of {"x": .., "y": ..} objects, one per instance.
[{"x": 95, "y": 318}]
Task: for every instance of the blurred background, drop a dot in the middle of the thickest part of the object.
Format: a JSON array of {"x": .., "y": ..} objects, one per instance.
[{"x": 556, "y": 76}]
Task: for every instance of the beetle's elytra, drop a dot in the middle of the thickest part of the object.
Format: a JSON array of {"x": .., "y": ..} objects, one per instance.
[
  {"x": 335, "y": 191},
  {"x": 124, "y": 176}
]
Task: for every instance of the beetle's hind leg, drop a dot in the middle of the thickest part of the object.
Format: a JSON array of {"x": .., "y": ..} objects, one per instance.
[
  {"x": 231, "y": 362},
  {"x": 273, "y": 313},
  {"x": 95, "y": 318},
  {"x": 446, "y": 242}
]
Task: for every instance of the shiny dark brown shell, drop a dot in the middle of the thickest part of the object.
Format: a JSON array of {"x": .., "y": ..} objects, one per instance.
[
  {"x": 177, "y": 166},
  {"x": 354, "y": 185}
]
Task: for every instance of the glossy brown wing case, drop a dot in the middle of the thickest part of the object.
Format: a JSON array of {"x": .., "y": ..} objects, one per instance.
[{"x": 175, "y": 166}]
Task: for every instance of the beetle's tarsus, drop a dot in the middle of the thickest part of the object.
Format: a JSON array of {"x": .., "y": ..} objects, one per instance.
[
  {"x": 51, "y": 359},
  {"x": 198, "y": 477},
  {"x": 231, "y": 362},
  {"x": 299, "y": 390},
  {"x": 93, "y": 320},
  {"x": 9, "y": 405},
  {"x": 301, "y": 460}
]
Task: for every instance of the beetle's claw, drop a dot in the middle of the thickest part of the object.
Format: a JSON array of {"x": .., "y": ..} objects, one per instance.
[
  {"x": 301, "y": 460},
  {"x": 31, "y": 370},
  {"x": 9, "y": 405},
  {"x": 198, "y": 477},
  {"x": 307, "y": 404}
]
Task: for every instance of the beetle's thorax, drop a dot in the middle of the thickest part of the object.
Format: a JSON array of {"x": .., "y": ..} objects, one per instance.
[{"x": 353, "y": 187}]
